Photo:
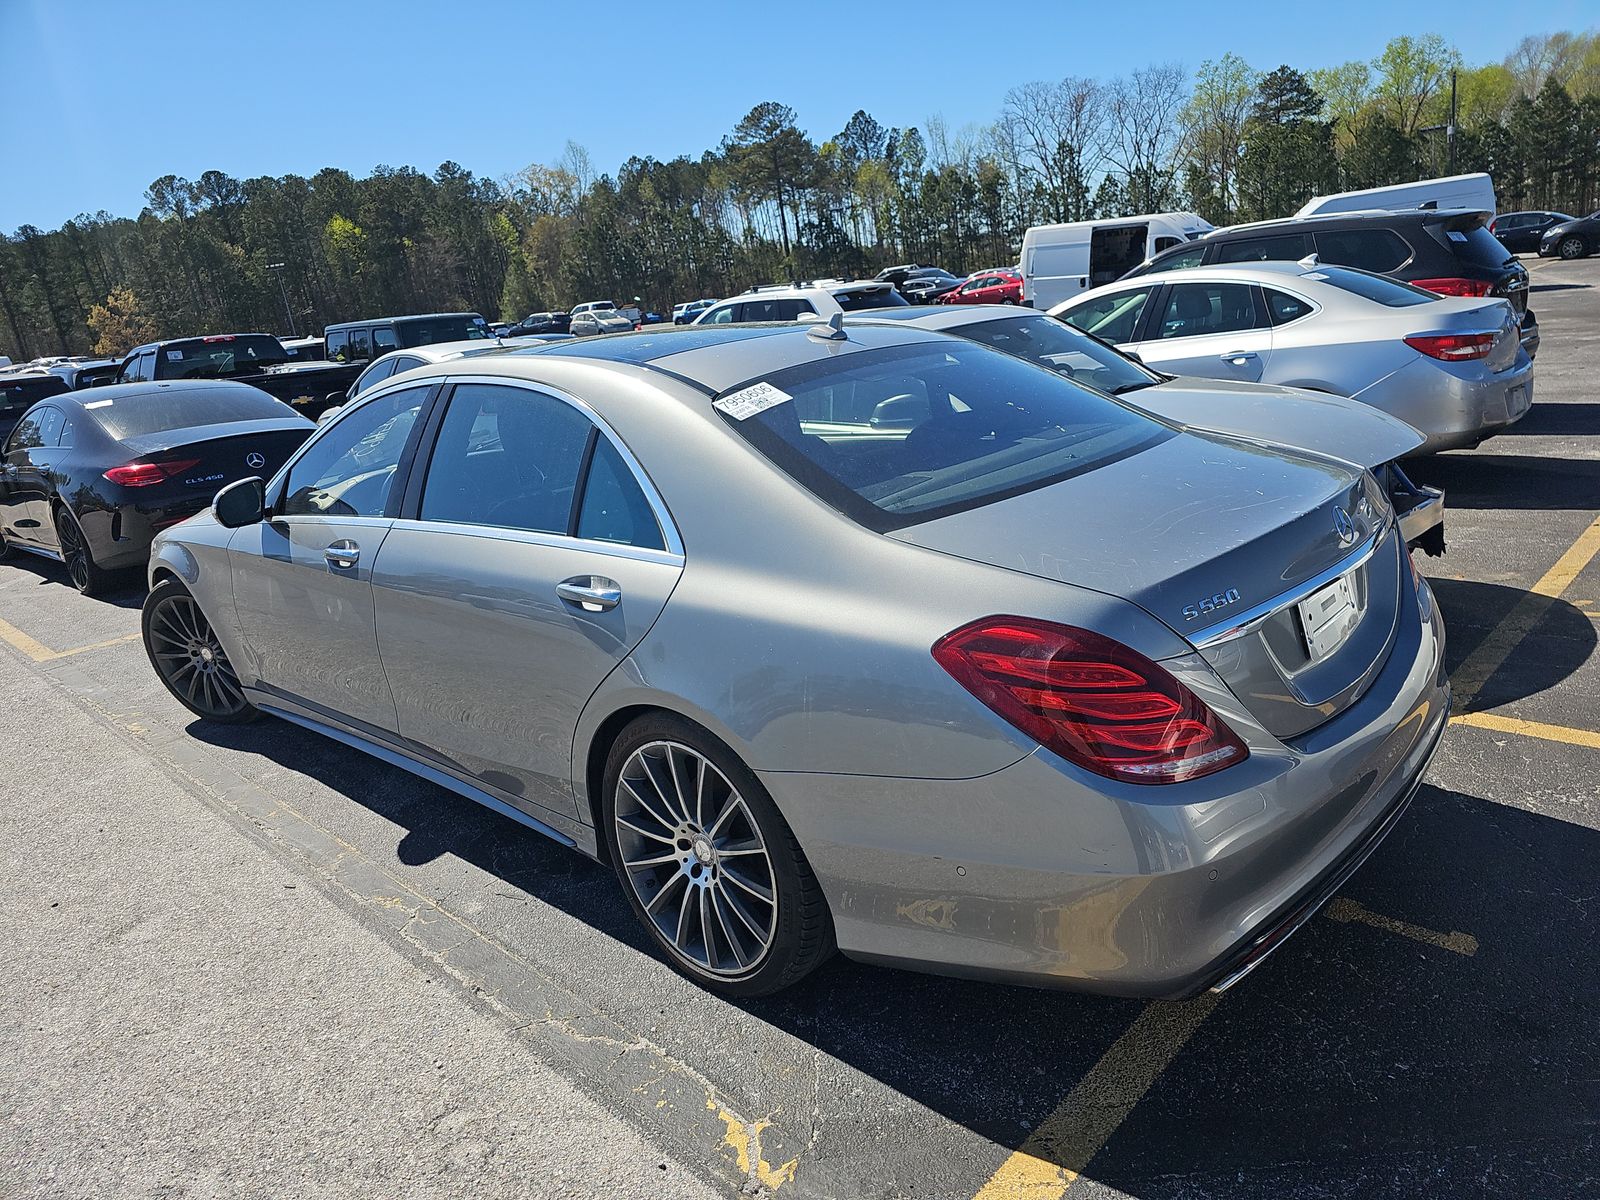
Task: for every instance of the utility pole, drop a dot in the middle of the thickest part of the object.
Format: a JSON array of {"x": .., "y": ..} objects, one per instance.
[
  {"x": 1450, "y": 130},
  {"x": 277, "y": 269}
]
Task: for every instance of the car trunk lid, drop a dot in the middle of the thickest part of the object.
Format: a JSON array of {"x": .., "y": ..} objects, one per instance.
[
  {"x": 200, "y": 461},
  {"x": 1202, "y": 531}
]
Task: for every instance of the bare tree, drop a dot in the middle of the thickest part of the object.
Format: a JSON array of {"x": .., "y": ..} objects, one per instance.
[
  {"x": 1144, "y": 133},
  {"x": 1056, "y": 132}
]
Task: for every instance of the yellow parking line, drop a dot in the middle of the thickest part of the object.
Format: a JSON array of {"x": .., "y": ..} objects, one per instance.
[
  {"x": 1055, "y": 1154},
  {"x": 1505, "y": 637},
  {"x": 1346, "y": 910},
  {"x": 1533, "y": 729},
  {"x": 39, "y": 652}
]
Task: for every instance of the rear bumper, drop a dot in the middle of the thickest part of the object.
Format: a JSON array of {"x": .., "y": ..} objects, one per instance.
[
  {"x": 1038, "y": 874},
  {"x": 1454, "y": 406}
]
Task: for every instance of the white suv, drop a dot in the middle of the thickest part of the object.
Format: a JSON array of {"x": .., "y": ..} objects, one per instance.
[{"x": 790, "y": 303}]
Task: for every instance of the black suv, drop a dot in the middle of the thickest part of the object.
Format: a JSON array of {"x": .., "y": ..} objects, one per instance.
[{"x": 1449, "y": 251}]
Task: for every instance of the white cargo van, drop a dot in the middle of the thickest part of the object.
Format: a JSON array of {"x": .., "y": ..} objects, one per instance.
[
  {"x": 1451, "y": 191},
  {"x": 1059, "y": 261}
]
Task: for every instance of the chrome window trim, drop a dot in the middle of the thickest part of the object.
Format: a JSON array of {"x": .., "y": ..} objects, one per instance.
[
  {"x": 1236, "y": 626},
  {"x": 534, "y": 537},
  {"x": 658, "y": 506}
]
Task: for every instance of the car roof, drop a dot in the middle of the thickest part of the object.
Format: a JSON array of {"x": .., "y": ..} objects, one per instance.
[
  {"x": 1250, "y": 272},
  {"x": 711, "y": 358},
  {"x": 197, "y": 337}
]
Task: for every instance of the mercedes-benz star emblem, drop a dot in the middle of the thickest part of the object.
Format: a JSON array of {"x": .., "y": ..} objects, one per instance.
[
  {"x": 1344, "y": 526},
  {"x": 256, "y": 460}
]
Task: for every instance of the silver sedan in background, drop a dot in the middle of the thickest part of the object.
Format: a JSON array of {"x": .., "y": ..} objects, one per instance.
[
  {"x": 1317, "y": 422},
  {"x": 1025, "y": 684},
  {"x": 1453, "y": 368}
]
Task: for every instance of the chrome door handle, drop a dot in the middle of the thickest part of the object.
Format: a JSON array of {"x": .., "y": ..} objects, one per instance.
[
  {"x": 1239, "y": 357},
  {"x": 342, "y": 555},
  {"x": 592, "y": 593}
]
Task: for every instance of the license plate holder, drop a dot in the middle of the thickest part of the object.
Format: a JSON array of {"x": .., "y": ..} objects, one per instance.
[
  {"x": 1328, "y": 615},
  {"x": 1517, "y": 401}
]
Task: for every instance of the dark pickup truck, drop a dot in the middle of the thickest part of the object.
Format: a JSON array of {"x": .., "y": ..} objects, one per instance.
[{"x": 258, "y": 359}]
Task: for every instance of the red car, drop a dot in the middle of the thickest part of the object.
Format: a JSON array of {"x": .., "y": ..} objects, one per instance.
[{"x": 990, "y": 287}]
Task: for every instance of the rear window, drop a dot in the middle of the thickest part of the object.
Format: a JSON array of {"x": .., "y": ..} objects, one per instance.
[
  {"x": 427, "y": 331},
  {"x": 1477, "y": 246},
  {"x": 857, "y": 299},
  {"x": 906, "y": 434},
  {"x": 219, "y": 357},
  {"x": 160, "y": 410},
  {"x": 20, "y": 392},
  {"x": 1053, "y": 344},
  {"x": 1365, "y": 249},
  {"x": 1372, "y": 287}
]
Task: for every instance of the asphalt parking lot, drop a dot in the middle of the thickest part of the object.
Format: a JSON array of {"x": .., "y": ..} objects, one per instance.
[{"x": 1433, "y": 1032}]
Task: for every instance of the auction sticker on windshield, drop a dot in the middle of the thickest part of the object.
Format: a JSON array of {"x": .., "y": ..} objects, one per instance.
[{"x": 751, "y": 401}]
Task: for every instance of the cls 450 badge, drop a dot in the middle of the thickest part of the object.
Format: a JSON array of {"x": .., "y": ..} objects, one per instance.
[{"x": 1210, "y": 604}]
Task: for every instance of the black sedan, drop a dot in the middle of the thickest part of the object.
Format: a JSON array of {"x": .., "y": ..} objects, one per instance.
[
  {"x": 89, "y": 478},
  {"x": 1577, "y": 237},
  {"x": 540, "y": 322},
  {"x": 1520, "y": 232}
]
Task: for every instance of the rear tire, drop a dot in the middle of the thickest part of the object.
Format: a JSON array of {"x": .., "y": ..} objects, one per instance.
[
  {"x": 86, "y": 575},
  {"x": 1573, "y": 247},
  {"x": 184, "y": 650},
  {"x": 707, "y": 862}
]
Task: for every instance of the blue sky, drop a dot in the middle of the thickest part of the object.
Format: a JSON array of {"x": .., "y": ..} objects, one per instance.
[{"x": 100, "y": 97}]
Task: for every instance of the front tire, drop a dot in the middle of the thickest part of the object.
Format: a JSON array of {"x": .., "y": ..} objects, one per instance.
[
  {"x": 86, "y": 575},
  {"x": 184, "y": 650},
  {"x": 708, "y": 863},
  {"x": 1572, "y": 247}
]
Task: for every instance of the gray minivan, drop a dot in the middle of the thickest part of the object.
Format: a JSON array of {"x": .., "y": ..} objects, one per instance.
[{"x": 361, "y": 341}]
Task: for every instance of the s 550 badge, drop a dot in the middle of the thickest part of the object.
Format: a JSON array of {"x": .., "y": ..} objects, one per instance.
[{"x": 1193, "y": 612}]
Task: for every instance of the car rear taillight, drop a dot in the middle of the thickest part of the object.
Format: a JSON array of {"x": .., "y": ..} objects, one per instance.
[
  {"x": 143, "y": 474},
  {"x": 1455, "y": 287},
  {"x": 1090, "y": 699},
  {"x": 1453, "y": 347}
]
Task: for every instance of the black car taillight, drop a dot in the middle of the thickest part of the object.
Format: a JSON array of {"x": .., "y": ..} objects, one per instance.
[
  {"x": 143, "y": 474},
  {"x": 1092, "y": 700}
]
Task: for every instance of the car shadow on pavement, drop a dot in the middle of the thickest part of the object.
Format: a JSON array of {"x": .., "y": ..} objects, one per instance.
[
  {"x": 1517, "y": 481},
  {"x": 127, "y": 588},
  {"x": 1356, "y": 1053},
  {"x": 1552, "y": 651},
  {"x": 1559, "y": 287}
]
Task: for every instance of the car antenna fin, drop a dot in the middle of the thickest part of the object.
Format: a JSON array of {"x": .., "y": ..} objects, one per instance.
[
  {"x": 830, "y": 330},
  {"x": 1310, "y": 261}
]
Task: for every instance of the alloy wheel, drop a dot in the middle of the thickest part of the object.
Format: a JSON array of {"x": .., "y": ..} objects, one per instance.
[
  {"x": 696, "y": 859},
  {"x": 73, "y": 551},
  {"x": 1571, "y": 247},
  {"x": 191, "y": 659}
]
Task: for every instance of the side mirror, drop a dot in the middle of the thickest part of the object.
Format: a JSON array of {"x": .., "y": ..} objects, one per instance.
[{"x": 242, "y": 503}]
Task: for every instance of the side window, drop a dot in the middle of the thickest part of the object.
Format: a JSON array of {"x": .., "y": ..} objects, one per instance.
[
  {"x": 1192, "y": 257},
  {"x": 506, "y": 457},
  {"x": 26, "y": 435},
  {"x": 69, "y": 435},
  {"x": 1166, "y": 243},
  {"x": 384, "y": 339},
  {"x": 788, "y": 310},
  {"x": 147, "y": 366},
  {"x": 360, "y": 345},
  {"x": 723, "y": 315},
  {"x": 1112, "y": 317},
  {"x": 1289, "y": 247},
  {"x": 348, "y": 470},
  {"x": 1284, "y": 308},
  {"x": 50, "y": 422},
  {"x": 338, "y": 346},
  {"x": 373, "y": 375},
  {"x": 1196, "y": 309},
  {"x": 1376, "y": 250},
  {"x": 614, "y": 507},
  {"x": 127, "y": 373}
]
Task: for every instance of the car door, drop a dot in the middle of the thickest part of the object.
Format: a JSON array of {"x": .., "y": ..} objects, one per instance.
[
  {"x": 21, "y": 479},
  {"x": 302, "y": 579},
  {"x": 1210, "y": 328},
  {"x": 538, "y": 560},
  {"x": 36, "y": 477}
]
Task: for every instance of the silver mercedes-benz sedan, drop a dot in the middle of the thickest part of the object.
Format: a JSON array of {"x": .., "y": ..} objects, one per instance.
[
  {"x": 1028, "y": 685},
  {"x": 1453, "y": 368}
]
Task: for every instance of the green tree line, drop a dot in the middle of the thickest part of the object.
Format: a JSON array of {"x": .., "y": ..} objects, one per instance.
[{"x": 772, "y": 203}]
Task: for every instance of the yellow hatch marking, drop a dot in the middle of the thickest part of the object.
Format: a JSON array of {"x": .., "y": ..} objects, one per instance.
[
  {"x": 1533, "y": 729},
  {"x": 39, "y": 652},
  {"x": 1055, "y": 1154},
  {"x": 1505, "y": 637},
  {"x": 1345, "y": 910}
]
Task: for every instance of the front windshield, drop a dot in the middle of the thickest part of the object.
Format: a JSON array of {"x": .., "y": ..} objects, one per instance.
[
  {"x": 1056, "y": 345},
  {"x": 906, "y": 434}
]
